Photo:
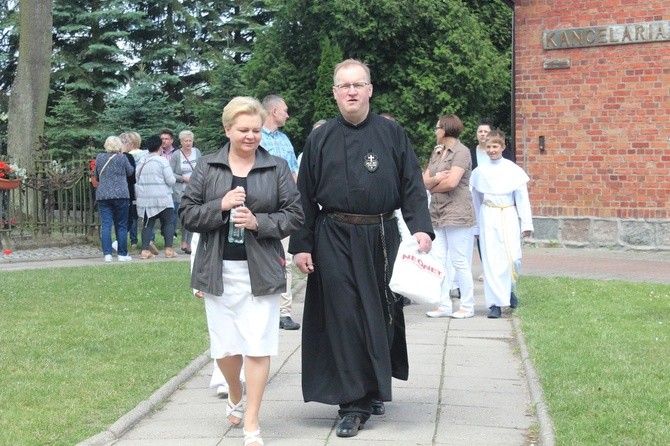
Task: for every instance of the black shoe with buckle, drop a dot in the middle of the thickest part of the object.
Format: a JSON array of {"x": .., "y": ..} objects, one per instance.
[
  {"x": 349, "y": 426},
  {"x": 286, "y": 323},
  {"x": 377, "y": 407}
]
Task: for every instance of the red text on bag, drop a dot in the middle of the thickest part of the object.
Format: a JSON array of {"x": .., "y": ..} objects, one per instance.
[{"x": 419, "y": 263}]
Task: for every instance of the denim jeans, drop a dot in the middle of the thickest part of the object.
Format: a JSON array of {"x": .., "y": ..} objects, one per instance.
[{"x": 114, "y": 212}]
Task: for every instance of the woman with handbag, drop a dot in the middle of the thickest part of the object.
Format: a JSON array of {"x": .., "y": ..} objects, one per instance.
[
  {"x": 154, "y": 198},
  {"x": 183, "y": 163},
  {"x": 111, "y": 171}
]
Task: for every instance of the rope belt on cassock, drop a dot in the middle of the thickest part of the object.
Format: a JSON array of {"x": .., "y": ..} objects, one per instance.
[
  {"x": 508, "y": 251},
  {"x": 361, "y": 219}
]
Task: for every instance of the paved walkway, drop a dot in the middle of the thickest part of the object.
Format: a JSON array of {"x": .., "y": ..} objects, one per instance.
[{"x": 471, "y": 382}]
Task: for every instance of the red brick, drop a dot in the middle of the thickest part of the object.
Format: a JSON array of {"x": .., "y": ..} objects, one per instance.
[{"x": 605, "y": 119}]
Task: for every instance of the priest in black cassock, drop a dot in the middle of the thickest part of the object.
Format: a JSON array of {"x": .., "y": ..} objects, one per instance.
[{"x": 356, "y": 170}]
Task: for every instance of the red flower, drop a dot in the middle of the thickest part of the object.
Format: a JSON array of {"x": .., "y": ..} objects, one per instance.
[
  {"x": 91, "y": 164},
  {"x": 6, "y": 171}
]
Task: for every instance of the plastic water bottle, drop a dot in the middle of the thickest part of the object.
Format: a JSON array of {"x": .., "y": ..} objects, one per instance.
[{"x": 235, "y": 235}]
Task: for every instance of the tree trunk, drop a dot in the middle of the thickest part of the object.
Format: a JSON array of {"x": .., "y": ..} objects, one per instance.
[{"x": 30, "y": 91}]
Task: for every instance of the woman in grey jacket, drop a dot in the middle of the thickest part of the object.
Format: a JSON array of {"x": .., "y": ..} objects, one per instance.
[
  {"x": 183, "y": 163},
  {"x": 242, "y": 279}
]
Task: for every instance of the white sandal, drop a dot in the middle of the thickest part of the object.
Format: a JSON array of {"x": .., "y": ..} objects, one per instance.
[
  {"x": 236, "y": 410},
  {"x": 252, "y": 437}
]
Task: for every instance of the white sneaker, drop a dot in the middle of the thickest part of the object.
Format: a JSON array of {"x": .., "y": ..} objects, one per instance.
[
  {"x": 440, "y": 312},
  {"x": 108, "y": 258},
  {"x": 463, "y": 313},
  {"x": 222, "y": 391},
  {"x": 115, "y": 245},
  {"x": 125, "y": 258}
]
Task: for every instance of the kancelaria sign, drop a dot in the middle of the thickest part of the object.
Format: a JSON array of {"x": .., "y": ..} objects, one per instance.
[{"x": 606, "y": 35}]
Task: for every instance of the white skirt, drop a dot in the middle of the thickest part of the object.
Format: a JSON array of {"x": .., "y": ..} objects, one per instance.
[{"x": 240, "y": 323}]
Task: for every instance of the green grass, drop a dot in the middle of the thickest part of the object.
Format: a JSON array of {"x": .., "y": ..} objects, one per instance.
[
  {"x": 602, "y": 352},
  {"x": 80, "y": 347}
]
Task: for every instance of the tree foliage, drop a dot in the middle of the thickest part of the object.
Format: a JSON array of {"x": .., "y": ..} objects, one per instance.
[
  {"x": 226, "y": 84},
  {"x": 68, "y": 127},
  {"x": 88, "y": 61},
  {"x": 120, "y": 65},
  {"x": 322, "y": 97},
  {"x": 427, "y": 58},
  {"x": 9, "y": 42},
  {"x": 144, "y": 108}
]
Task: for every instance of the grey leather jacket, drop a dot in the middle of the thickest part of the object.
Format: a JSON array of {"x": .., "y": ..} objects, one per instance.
[{"x": 274, "y": 199}]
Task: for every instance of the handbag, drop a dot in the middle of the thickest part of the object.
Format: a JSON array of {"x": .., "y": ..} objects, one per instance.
[
  {"x": 95, "y": 182},
  {"x": 417, "y": 275}
]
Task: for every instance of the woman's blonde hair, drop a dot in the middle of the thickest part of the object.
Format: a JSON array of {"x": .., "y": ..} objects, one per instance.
[
  {"x": 113, "y": 144},
  {"x": 132, "y": 139},
  {"x": 136, "y": 139},
  {"x": 242, "y": 105}
]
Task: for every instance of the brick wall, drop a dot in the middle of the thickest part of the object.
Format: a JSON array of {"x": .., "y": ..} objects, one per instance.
[{"x": 605, "y": 119}]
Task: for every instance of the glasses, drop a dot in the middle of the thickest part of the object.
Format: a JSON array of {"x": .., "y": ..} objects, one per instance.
[
  {"x": 438, "y": 127},
  {"x": 359, "y": 86}
]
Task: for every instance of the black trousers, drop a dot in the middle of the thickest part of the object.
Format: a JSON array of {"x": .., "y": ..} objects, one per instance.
[{"x": 361, "y": 407}]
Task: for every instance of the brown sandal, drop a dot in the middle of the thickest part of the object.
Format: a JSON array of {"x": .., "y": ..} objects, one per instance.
[{"x": 144, "y": 255}]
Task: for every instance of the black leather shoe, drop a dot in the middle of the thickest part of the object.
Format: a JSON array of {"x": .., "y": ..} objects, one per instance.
[
  {"x": 494, "y": 312},
  {"x": 406, "y": 301},
  {"x": 349, "y": 426},
  {"x": 378, "y": 407},
  {"x": 286, "y": 323},
  {"x": 513, "y": 300}
]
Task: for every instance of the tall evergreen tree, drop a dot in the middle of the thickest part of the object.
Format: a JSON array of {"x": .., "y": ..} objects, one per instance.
[
  {"x": 324, "y": 106},
  {"x": 9, "y": 42},
  {"x": 89, "y": 54},
  {"x": 69, "y": 128},
  {"x": 145, "y": 108},
  {"x": 226, "y": 84},
  {"x": 188, "y": 38}
]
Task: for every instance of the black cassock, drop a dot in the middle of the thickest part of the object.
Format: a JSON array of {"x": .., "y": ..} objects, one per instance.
[{"x": 353, "y": 338}]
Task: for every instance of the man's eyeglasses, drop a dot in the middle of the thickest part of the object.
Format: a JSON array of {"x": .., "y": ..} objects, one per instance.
[{"x": 357, "y": 85}]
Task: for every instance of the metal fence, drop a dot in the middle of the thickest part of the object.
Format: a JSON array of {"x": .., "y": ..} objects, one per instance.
[{"x": 56, "y": 201}]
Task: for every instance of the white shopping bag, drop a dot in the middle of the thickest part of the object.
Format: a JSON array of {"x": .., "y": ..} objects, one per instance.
[{"x": 417, "y": 275}]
